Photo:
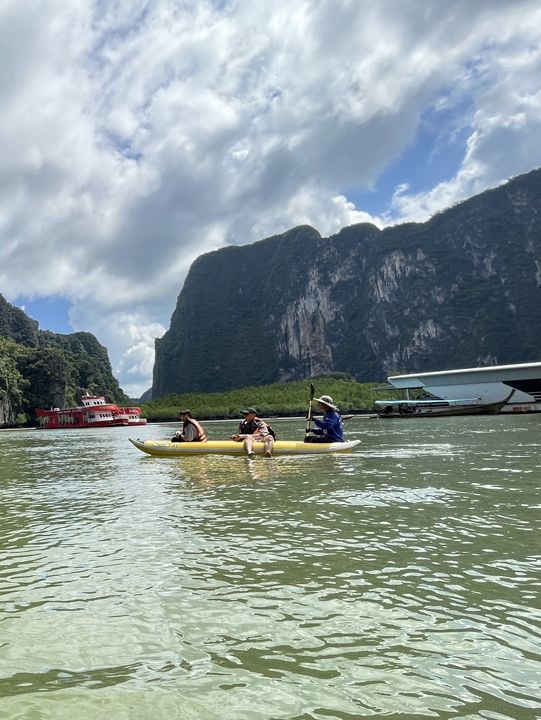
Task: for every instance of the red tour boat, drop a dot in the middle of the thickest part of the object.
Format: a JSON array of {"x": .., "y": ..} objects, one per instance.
[{"x": 94, "y": 412}]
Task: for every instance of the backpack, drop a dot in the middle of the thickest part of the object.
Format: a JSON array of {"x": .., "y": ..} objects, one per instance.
[{"x": 271, "y": 431}]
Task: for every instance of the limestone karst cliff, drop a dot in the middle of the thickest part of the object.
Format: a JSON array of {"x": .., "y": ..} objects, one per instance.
[{"x": 463, "y": 289}]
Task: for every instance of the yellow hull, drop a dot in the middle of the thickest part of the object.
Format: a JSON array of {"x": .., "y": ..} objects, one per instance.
[{"x": 165, "y": 448}]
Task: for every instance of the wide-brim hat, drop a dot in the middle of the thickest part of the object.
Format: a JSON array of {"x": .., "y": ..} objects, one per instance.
[
  {"x": 248, "y": 411},
  {"x": 327, "y": 400}
]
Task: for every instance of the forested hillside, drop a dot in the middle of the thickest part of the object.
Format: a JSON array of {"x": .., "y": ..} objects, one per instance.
[
  {"x": 277, "y": 400},
  {"x": 44, "y": 369}
]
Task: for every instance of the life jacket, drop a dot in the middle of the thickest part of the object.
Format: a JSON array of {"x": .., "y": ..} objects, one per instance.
[
  {"x": 249, "y": 427},
  {"x": 201, "y": 435}
]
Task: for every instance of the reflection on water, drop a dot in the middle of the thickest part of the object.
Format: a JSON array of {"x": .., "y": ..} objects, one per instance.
[{"x": 399, "y": 580}]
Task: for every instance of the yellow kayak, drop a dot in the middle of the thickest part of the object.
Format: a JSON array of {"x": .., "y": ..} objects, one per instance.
[{"x": 165, "y": 448}]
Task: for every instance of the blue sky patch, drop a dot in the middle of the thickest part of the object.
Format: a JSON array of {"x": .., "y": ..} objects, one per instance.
[{"x": 52, "y": 312}]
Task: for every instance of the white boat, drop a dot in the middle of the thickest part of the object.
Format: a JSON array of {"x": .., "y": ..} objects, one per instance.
[
  {"x": 490, "y": 383},
  {"x": 407, "y": 408}
]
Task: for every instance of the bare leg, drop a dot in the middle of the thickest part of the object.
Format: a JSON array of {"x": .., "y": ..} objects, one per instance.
[
  {"x": 249, "y": 445},
  {"x": 268, "y": 441}
]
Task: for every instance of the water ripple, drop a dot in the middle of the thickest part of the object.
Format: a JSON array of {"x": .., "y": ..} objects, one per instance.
[{"x": 397, "y": 580}]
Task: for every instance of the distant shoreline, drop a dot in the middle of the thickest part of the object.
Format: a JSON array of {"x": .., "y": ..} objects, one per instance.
[{"x": 346, "y": 417}]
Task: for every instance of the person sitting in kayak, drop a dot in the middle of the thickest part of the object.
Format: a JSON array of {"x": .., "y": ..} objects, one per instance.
[
  {"x": 329, "y": 428},
  {"x": 253, "y": 429},
  {"x": 192, "y": 431}
]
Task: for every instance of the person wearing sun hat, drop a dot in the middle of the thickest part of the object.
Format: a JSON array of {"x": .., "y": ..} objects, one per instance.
[
  {"x": 253, "y": 429},
  {"x": 329, "y": 428}
]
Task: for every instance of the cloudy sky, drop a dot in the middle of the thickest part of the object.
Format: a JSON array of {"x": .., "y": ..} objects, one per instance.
[{"x": 137, "y": 134}]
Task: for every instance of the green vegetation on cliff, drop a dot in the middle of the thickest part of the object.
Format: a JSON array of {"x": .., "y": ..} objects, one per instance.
[
  {"x": 16, "y": 325},
  {"x": 277, "y": 400},
  {"x": 45, "y": 369}
]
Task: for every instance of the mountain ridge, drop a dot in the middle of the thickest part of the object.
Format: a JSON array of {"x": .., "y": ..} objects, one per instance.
[{"x": 462, "y": 288}]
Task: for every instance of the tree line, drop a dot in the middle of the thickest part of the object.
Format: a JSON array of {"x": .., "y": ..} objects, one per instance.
[{"x": 277, "y": 400}]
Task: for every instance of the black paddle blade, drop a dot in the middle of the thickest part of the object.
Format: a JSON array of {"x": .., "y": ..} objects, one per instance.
[{"x": 309, "y": 415}]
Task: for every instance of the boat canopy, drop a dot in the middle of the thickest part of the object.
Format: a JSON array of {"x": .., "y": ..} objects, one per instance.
[
  {"x": 491, "y": 373},
  {"x": 405, "y": 401}
]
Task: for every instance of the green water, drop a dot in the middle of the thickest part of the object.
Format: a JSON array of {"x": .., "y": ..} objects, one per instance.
[{"x": 400, "y": 580}]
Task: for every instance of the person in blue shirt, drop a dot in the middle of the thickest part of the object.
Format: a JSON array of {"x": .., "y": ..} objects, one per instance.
[{"x": 329, "y": 428}]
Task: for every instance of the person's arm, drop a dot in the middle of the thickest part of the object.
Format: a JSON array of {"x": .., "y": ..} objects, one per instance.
[
  {"x": 317, "y": 430},
  {"x": 236, "y": 437},
  {"x": 323, "y": 424},
  {"x": 261, "y": 430},
  {"x": 330, "y": 424},
  {"x": 334, "y": 427}
]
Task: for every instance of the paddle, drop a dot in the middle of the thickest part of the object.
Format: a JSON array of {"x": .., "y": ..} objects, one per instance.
[{"x": 309, "y": 416}]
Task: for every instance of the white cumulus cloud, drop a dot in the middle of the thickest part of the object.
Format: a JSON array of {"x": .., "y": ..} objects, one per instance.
[{"x": 136, "y": 136}]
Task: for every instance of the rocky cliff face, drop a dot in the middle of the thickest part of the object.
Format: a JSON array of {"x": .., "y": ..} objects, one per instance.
[
  {"x": 463, "y": 289},
  {"x": 8, "y": 414}
]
